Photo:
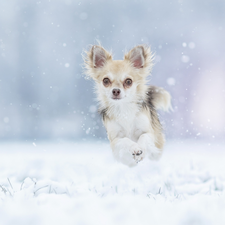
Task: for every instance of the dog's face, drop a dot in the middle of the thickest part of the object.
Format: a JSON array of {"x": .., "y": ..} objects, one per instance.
[{"x": 119, "y": 81}]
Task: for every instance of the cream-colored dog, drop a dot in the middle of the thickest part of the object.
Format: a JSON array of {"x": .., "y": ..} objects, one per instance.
[{"x": 127, "y": 105}]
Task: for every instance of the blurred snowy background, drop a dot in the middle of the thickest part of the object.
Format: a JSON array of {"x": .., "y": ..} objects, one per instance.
[{"x": 43, "y": 94}]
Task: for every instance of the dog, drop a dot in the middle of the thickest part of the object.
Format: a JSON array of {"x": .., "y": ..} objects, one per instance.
[{"x": 128, "y": 105}]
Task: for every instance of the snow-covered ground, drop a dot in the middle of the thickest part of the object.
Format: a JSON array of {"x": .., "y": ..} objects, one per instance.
[{"x": 78, "y": 183}]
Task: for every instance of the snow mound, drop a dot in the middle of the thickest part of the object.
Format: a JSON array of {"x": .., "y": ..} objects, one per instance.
[{"x": 74, "y": 183}]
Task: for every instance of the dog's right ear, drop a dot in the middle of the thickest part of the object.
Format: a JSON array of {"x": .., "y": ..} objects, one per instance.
[
  {"x": 140, "y": 58},
  {"x": 95, "y": 59}
]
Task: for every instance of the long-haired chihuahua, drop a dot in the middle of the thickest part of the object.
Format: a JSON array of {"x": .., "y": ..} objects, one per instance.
[{"x": 128, "y": 105}]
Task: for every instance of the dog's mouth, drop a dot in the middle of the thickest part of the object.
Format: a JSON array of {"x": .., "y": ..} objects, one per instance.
[{"x": 116, "y": 98}]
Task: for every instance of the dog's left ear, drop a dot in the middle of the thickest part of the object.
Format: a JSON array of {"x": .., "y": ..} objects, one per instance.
[
  {"x": 95, "y": 59},
  {"x": 140, "y": 57}
]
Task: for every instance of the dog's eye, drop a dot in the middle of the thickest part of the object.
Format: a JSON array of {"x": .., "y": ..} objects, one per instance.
[
  {"x": 128, "y": 82},
  {"x": 106, "y": 81}
]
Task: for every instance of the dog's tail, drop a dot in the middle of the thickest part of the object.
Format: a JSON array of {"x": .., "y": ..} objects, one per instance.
[{"x": 159, "y": 98}]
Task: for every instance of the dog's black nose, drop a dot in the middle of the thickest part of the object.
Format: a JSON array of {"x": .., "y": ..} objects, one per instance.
[{"x": 116, "y": 92}]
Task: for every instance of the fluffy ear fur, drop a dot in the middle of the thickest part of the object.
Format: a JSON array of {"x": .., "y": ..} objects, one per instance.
[
  {"x": 95, "y": 59},
  {"x": 140, "y": 57}
]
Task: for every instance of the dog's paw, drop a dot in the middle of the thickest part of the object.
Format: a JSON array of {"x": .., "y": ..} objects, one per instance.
[
  {"x": 128, "y": 152},
  {"x": 137, "y": 153}
]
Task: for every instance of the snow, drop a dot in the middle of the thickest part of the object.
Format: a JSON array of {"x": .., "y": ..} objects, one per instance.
[
  {"x": 81, "y": 183},
  {"x": 171, "y": 81},
  {"x": 185, "y": 58},
  {"x": 191, "y": 45}
]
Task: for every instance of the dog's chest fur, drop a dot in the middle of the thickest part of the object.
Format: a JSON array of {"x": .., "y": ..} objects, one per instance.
[{"x": 127, "y": 121}]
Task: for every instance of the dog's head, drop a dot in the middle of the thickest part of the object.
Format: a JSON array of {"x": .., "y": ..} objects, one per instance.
[{"x": 119, "y": 81}]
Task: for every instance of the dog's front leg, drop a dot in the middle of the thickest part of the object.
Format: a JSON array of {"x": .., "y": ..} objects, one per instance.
[
  {"x": 146, "y": 142},
  {"x": 127, "y": 151}
]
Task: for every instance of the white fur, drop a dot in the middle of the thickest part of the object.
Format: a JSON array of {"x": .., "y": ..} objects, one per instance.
[
  {"x": 133, "y": 128},
  {"x": 131, "y": 134}
]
